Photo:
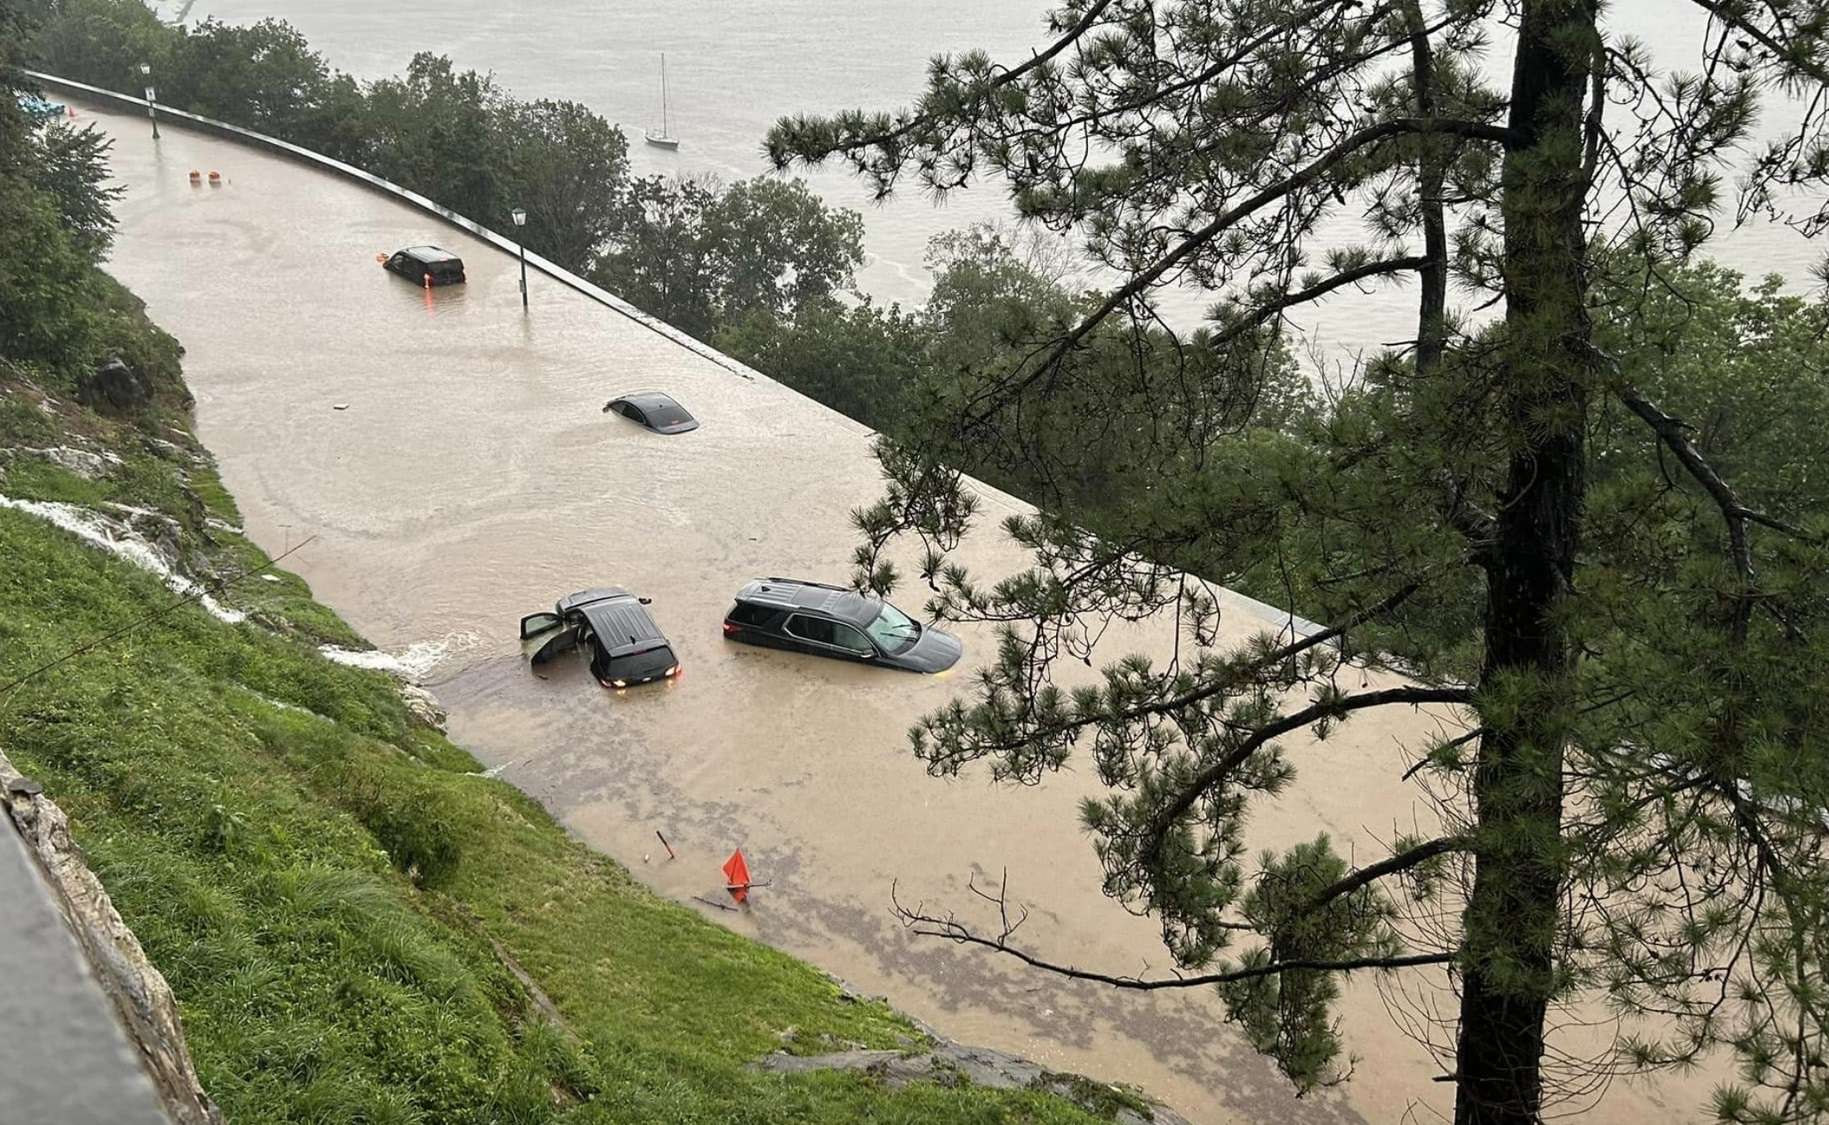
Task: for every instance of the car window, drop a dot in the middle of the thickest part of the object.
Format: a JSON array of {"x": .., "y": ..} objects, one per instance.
[
  {"x": 744, "y": 613},
  {"x": 635, "y": 413},
  {"x": 669, "y": 414},
  {"x": 816, "y": 629},
  {"x": 844, "y": 636},
  {"x": 542, "y": 647},
  {"x": 537, "y": 623},
  {"x": 834, "y": 633},
  {"x": 894, "y": 630}
]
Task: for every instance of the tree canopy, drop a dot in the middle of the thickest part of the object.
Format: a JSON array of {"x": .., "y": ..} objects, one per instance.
[{"x": 1574, "y": 522}]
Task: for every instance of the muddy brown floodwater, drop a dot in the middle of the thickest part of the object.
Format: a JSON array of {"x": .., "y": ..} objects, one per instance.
[{"x": 470, "y": 478}]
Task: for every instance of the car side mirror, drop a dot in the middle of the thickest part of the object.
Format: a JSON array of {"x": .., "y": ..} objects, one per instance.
[{"x": 645, "y": 601}]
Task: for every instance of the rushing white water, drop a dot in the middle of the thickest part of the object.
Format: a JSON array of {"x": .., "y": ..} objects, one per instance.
[
  {"x": 412, "y": 663},
  {"x": 122, "y": 541}
]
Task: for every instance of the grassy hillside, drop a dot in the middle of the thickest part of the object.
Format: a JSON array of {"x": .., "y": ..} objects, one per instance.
[{"x": 355, "y": 921}]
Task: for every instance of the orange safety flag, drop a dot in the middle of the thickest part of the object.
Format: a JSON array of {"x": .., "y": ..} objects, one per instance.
[{"x": 736, "y": 876}]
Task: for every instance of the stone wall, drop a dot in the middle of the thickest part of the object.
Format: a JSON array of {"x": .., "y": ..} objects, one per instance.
[{"x": 144, "y": 1002}]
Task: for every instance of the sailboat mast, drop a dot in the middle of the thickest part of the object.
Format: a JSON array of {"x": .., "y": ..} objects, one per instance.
[{"x": 663, "y": 94}]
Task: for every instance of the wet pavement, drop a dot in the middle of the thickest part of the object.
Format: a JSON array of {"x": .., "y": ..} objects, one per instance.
[{"x": 450, "y": 456}]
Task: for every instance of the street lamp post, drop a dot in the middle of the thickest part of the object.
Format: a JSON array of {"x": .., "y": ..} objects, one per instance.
[
  {"x": 520, "y": 220},
  {"x": 152, "y": 99}
]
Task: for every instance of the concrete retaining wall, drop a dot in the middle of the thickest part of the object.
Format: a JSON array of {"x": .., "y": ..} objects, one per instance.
[{"x": 62, "y": 1069}]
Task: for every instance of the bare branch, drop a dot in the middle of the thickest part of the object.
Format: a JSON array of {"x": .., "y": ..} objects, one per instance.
[
  {"x": 950, "y": 928},
  {"x": 1321, "y": 288}
]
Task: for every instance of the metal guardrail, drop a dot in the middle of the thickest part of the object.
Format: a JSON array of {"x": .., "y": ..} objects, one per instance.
[{"x": 370, "y": 180}]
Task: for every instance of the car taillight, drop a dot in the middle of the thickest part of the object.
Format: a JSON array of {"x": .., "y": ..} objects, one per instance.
[{"x": 731, "y": 628}]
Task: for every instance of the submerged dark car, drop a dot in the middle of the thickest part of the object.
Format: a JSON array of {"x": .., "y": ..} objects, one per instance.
[
  {"x": 655, "y": 410},
  {"x": 838, "y": 622},
  {"x": 613, "y": 625},
  {"x": 427, "y": 265}
]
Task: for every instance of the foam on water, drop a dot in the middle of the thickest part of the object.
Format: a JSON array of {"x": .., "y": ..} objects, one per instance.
[{"x": 413, "y": 663}]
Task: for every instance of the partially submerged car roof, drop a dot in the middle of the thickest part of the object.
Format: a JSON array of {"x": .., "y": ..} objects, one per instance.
[
  {"x": 594, "y": 594},
  {"x": 841, "y": 602},
  {"x": 431, "y": 255},
  {"x": 622, "y": 625},
  {"x": 662, "y": 413}
]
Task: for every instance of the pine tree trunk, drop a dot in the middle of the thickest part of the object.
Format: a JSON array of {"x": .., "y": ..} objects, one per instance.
[{"x": 1512, "y": 914}]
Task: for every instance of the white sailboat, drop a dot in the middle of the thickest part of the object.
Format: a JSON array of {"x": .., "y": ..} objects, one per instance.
[{"x": 663, "y": 139}]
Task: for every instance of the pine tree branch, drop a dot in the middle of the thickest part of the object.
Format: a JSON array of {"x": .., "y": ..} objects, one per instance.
[
  {"x": 1280, "y": 656},
  {"x": 950, "y": 928},
  {"x": 781, "y": 157},
  {"x": 1321, "y": 288},
  {"x": 1674, "y": 434},
  {"x": 1730, "y": 13},
  {"x": 1145, "y": 278},
  {"x": 1328, "y": 709},
  {"x": 1402, "y": 861}
]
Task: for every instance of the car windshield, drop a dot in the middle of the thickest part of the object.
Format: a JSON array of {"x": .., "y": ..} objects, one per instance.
[{"x": 893, "y": 630}]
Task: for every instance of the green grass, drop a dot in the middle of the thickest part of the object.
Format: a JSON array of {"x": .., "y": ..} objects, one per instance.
[{"x": 331, "y": 888}]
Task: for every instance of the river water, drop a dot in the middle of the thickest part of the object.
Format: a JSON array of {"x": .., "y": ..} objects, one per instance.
[{"x": 736, "y": 67}]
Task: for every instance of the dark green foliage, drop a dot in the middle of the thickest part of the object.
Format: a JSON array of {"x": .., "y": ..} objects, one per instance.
[
  {"x": 861, "y": 360},
  {"x": 73, "y": 171},
  {"x": 703, "y": 256},
  {"x": 1594, "y": 523}
]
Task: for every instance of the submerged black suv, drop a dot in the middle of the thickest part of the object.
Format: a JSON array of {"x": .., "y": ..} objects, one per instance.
[
  {"x": 427, "y": 265},
  {"x": 837, "y": 622},
  {"x": 625, "y": 644}
]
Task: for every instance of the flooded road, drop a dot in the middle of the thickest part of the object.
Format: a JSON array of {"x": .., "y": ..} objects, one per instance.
[{"x": 451, "y": 458}]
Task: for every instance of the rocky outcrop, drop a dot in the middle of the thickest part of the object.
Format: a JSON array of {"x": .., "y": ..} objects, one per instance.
[
  {"x": 940, "y": 1060},
  {"x": 140, "y": 995},
  {"x": 949, "y": 1064},
  {"x": 114, "y": 387},
  {"x": 423, "y": 705}
]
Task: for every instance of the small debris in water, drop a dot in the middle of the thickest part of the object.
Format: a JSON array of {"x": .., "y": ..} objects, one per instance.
[{"x": 340, "y": 406}]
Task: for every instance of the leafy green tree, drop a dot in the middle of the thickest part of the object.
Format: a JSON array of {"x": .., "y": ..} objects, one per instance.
[
  {"x": 432, "y": 130},
  {"x": 570, "y": 169},
  {"x": 776, "y": 246},
  {"x": 700, "y": 255},
  {"x": 72, "y": 168},
  {"x": 663, "y": 264},
  {"x": 102, "y": 42},
  {"x": 1631, "y": 814},
  {"x": 263, "y": 75},
  {"x": 860, "y": 359}
]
